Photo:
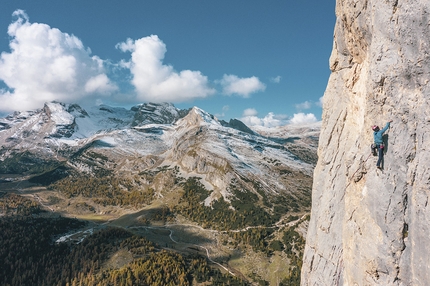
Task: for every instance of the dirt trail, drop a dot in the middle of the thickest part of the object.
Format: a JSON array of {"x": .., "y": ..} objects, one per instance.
[{"x": 196, "y": 245}]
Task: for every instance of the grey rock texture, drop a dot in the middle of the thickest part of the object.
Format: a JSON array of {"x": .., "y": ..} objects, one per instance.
[{"x": 369, "y": 226}]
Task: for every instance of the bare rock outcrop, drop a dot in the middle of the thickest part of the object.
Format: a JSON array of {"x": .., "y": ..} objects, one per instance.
[{"x": 370, "y": 226}]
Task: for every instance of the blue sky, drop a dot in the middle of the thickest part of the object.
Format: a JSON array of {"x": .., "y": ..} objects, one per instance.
[{"x": 265, "y": 62}]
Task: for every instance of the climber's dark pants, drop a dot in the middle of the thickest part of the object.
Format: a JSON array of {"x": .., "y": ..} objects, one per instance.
[{"x": 380, "y": 155}]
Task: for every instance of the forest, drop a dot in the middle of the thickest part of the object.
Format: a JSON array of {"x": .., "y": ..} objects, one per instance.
[
  {"x": 248, "y": 212},
  {"x": 247, "y": 208},
  {"x": 30, "y": 255},
  {"x": 32, "y": 258},
  {"x": 105, "y": 190}
]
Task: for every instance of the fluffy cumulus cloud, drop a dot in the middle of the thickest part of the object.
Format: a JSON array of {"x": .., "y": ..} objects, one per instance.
[
  {"x": 157, "y": 82},
  {"x": 232, "y": 84},
  {"x": 45, "y": 64},
  {"x": 250, "y": 118},
  {"x": 301, "y": 118}
]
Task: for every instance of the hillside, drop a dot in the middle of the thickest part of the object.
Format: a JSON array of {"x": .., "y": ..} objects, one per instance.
[{"x": 179, "y": 177}]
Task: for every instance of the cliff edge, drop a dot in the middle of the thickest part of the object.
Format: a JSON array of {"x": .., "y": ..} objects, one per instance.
[{"x": 371, "y": 226}]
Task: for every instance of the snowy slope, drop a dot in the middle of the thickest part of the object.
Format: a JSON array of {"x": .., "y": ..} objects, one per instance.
[{"x": 150, "y": 136}]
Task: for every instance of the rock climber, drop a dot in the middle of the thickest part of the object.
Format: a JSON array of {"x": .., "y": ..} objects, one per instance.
[{"x": 379, "y": 143}]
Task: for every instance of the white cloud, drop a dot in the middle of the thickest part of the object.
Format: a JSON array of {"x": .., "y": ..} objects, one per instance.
[
  {"x": 276, "y": 79},
  {"x": 250, "y": 112},
  {"x": 252, "y": 121},
  {"x": 157, "y": 82},
  {"x": 242, "y": 86},
  {"x": 46, "y": 64},
  {"x": 224, "y": 109},
  {"x": 250, "y": 118},
  {"x": 99, "y": 84},
  {"x": 309, "y": 104},
  {"x": 301, "y": 118},
  {"x": 304, "y": 105}
]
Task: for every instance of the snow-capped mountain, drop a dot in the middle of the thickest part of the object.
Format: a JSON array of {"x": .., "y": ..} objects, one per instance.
[{"x": 127, "y": 143}]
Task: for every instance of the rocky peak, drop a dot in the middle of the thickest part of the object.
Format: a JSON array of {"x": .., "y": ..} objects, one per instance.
[
  {"x": 237, "y": 124},
  {"x": 197, "y": 117},
  {"x": 370, "y": 226},
  {"x": 58, "y": 116},
  {"x": 77, "y": 111},
  {"x": 158, "y": 113}
]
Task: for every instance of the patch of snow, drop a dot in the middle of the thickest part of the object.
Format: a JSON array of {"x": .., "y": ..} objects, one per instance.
[
  {"x": 85, "y": 127},
  {"x": 59, "y": 115},
  {"x": 205, "y": 116},
  {"x": 108, "y": 140}
]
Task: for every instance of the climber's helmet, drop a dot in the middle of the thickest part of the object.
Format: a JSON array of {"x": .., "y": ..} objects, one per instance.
[{"x": 375, "y": 128}]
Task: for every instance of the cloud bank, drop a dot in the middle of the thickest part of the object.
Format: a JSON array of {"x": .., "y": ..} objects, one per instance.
[
  {"x": 250, "y": 118},
  {"x": 157, "y": 82},
  {"x": 45, "y": 64}
]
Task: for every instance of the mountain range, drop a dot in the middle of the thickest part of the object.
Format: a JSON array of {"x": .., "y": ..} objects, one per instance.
[
  {"x": 110, "y": 163},
  {"x": 150, "y": 136}
]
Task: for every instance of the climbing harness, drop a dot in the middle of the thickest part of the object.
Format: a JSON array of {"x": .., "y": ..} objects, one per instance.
[{"x": 373, "y": 148}]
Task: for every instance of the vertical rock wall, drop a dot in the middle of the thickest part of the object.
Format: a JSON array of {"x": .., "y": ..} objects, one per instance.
[{"x": 369, "y": 226}]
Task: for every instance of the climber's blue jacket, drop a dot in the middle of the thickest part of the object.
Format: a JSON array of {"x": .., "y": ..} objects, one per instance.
[{"x": 377, "y": 135}]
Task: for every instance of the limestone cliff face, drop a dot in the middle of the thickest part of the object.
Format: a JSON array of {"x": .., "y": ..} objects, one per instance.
[{"x": 372, "y": 227}]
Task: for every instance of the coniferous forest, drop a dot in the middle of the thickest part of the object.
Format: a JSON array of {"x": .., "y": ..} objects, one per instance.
[{"x": 31, "y": 256}]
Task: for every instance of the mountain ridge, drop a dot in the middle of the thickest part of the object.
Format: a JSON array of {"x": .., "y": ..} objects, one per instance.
[
  {"x": 57, "y": 123},
  {"x": 155, "y": 167},
  {"x": 105, "y": 142}
]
